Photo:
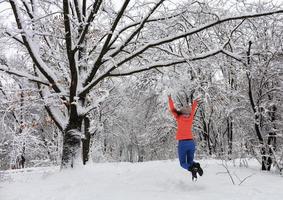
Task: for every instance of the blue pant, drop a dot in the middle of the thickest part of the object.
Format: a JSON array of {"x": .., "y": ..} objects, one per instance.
[{"x": 186, "y": 151}]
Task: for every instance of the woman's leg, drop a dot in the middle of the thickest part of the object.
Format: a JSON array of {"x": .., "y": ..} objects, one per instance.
[
  {"x": 182, "y": 153},
  {"x": 190, "y": 152},
  {"x": 186, "y": 151}
]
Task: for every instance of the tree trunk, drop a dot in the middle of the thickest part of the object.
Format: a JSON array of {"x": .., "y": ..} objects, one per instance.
[
  {"x": 209, "y": 142},
  {"x": 130, "y": 149},
  {"x": 86, "y": 140},
  {"x": 141, "y": 154},
  {"x": 206, "y": 135},
  {"x": 71, "y": 147},
  {"x": 271, "y": 143},
  {"x": 265, "y": 158},
  {"x": 264, "y": 151},
  {"x": 230, "y": 136},
  {"x": 72, "y": 140}
]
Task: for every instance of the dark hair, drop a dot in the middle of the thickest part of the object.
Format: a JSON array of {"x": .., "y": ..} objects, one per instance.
[{"x": 179, "y": 112}]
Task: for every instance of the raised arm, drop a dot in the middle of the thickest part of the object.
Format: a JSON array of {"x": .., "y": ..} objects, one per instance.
[{"x": 172, "y": 107}]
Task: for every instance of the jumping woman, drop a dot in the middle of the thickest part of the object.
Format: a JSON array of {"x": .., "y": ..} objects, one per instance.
[{"x": 184, "y": 135}]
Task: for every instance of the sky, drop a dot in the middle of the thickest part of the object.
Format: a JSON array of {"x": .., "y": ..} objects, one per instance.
[{"x": 118, "y": 3}]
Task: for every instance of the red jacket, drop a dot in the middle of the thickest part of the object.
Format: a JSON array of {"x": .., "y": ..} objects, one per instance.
[{"x": 184, "y": 123}]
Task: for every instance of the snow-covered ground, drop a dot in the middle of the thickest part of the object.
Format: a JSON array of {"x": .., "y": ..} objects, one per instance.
[{"x": 158, "y": 180}]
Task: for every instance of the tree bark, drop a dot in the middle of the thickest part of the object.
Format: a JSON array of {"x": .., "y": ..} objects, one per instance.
[
  {"x": 206, "y": 134},
  {"x": 271, "y": 141},
  {"x": 230, "y": 136},
  {"x": 86, "y": 140},
  {"x": 72, "y": 140},
  {"x": 266, "y": 159}
]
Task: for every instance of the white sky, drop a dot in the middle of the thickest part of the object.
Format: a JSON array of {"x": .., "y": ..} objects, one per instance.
[{"x": 119, "y": 3}]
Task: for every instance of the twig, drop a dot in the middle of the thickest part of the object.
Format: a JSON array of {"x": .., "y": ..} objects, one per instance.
[
  {"x": 228, "y": 172},
  {"x": 246, "y": 178}
]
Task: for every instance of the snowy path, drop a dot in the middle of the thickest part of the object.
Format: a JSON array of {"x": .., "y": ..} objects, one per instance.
[{"x": 158, "y": 180}]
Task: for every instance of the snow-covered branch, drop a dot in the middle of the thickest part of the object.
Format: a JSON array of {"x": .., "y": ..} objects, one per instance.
[
  {"x": 15, "y": 38},
  {"x": 117, "y": 50},
  {"x": 193, "y": 31},
  {"x": 90, "y": 18},
  {"x": 136, "y": 31},
  {"x": 24, "y": 75},
  {"x": 33, "y": 50},
  {"x": 57, "y": 115},
  {"x": 152, "y": 66},
  {"x": 138, "y": 23},
  {"x": 70, "y": 52},
  {"x": 104, "y": 49}
]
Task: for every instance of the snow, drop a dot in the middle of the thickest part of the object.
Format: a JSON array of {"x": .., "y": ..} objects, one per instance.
[{"x": 158, "y": 180}]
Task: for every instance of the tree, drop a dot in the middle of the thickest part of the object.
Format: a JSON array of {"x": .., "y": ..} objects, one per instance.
[
  {"x": 26, "y": 132},
  {"x": 259, "y": 63}
]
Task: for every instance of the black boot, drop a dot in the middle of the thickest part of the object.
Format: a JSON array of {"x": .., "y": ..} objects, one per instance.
[
  {"x": 193, "y": 170},
  {"x": 199, "y": 169}
]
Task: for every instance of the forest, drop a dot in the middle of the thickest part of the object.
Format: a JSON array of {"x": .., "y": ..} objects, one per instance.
[{"x": 88, "y": 81}]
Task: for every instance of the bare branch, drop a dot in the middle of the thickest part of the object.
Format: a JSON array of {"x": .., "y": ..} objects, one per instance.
[
  {"x": 228, "y": 172},
  {"x": 245, "y": 179}
]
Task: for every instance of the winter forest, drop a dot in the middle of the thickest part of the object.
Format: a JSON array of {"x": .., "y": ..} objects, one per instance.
[{"x": 87, "y": 81}]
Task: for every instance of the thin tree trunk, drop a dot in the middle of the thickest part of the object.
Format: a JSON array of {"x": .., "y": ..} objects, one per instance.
[
  {"x": 208, "y": 141},
  {"x": 230, "y": 136},
  {"x": 86, "y": 140},
  {"x": 206, "y": 136},
  {"x": 265, "y": 158},
  {"x": 271, "y": 141}
]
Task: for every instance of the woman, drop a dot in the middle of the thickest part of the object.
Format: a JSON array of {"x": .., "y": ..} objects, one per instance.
[{"x": 186, "y": 144}]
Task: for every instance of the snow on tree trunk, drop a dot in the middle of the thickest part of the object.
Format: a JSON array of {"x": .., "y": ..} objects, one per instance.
[
  {"x": 71, "y": 148},
  {"x": 72, "y": 153}
]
